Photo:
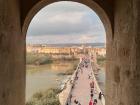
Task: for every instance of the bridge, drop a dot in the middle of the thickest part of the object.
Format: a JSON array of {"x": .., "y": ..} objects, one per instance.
[{"x": 78, "y": 87}]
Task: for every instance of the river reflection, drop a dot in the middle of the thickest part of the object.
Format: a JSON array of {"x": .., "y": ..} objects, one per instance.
[{"x": 43, "y": 77}]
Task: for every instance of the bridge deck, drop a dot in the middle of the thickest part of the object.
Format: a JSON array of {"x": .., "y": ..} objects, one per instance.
[{"x": 81, "y": 90}]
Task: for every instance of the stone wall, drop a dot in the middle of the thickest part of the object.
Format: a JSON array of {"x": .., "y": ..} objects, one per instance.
[
  {"x": 12, "y": 70},
  {"x": 123, "y": 68}
]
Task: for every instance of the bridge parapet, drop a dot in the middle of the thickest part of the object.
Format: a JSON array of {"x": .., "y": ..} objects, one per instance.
[
  {"x": 97, "y": 87},
  {"x": 64, "y": 96}
]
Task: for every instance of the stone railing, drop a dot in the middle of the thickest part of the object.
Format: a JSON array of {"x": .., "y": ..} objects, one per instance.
[
  {"x": 97, "y": 87},
  {"x": 64, "y": 96}
]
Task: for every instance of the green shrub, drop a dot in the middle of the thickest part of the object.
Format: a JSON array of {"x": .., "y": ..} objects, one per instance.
[
  {"x": 48, "y": 97},
  {"x": 38, "y": 95},
  {"x": 37, "y": 59},
  {"x": 101, "y": 60}
]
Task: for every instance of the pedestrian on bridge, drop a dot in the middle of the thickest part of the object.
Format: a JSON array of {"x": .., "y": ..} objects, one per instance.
[
  {"x": 100, "y": 96},
  {"x": 89, "y": 76},
  {"x": 91, "y": 95},
  {"x": 95, "y": 100},
  {"x": 75, "y": 101},
  {"x": 91, "y": 102},
  {"x": 92, "y": 85}
]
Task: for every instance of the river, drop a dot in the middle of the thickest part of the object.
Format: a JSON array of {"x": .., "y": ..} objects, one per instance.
[
  {"x": 101, "y": 79},
  {"x": 43, "y": 77}
]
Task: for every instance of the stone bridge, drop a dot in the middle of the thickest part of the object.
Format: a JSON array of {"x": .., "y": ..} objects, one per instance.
[{"x": 81, "y": 90}]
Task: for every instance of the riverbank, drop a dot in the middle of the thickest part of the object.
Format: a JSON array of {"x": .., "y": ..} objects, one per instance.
[
  {"x": 41, "y": 59},
  {"x": 67, "y": 67},
  {"x": 48, "y": 97},
  {"x": 46, "y": 76}
]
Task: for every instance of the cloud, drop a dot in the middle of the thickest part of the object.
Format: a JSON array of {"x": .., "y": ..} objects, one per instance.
[
  {"x": 68, "y": 19},
  {"x": 52, "y": 39}
]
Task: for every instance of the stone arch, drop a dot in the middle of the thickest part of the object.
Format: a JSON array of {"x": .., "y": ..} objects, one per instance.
[{"x": 101, "y": 8}]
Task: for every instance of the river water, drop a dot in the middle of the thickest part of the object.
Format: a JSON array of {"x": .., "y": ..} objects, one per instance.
[
  {"x": 43, "y": 77},
  {"x": 101, "y": 79}
]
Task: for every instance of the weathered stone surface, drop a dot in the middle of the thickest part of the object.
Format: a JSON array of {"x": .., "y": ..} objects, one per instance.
[
  {"x": 124, "y": 89},
  {"x": 12, "y": 65}
]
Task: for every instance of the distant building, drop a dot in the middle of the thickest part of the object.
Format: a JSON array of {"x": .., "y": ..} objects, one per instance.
[{"x": 76, "y": 51}]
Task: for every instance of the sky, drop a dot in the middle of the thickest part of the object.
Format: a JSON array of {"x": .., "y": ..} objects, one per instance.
[{"x": 65, "y": 22}]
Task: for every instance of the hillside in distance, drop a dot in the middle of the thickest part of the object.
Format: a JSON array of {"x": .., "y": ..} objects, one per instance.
[{"x": 73, "y": 45}]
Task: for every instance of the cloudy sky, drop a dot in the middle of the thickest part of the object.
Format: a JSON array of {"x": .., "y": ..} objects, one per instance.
[{"x": 65, "y": 22}]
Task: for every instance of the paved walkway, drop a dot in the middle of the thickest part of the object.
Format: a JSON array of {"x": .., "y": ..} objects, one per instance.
[{"x": 81, "y": 91}]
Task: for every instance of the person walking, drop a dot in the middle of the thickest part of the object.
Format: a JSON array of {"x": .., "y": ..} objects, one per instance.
[
  {"x": 91, "y": 102},
  {"x": 92, "y": 85},
  {"x": 89, "y": 76},
  {"x": 95, "y": 102},
  {"x": 100, "y": 96},
  {"x": 75, "y": 101},
  {"x": 91, "y": 95}
]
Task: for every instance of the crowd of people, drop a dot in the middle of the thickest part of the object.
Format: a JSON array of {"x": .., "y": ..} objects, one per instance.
[
  {"x": 82, "y": 65},
  {"x": 93, "y": 100}
]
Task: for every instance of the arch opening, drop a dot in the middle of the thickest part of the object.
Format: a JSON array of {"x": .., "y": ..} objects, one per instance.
[{"x": 28, "y": 19}]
